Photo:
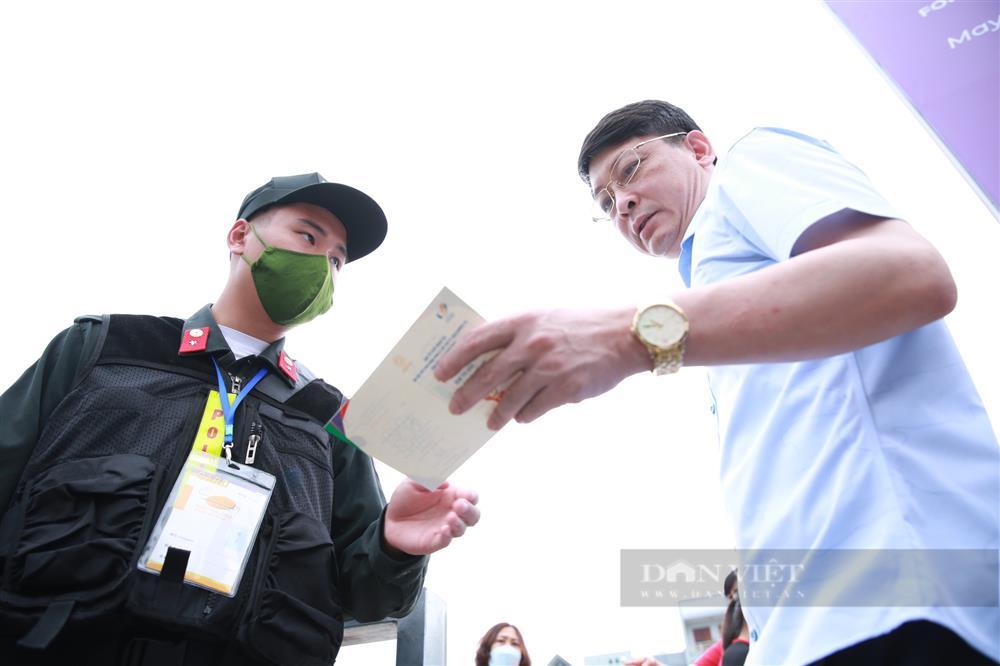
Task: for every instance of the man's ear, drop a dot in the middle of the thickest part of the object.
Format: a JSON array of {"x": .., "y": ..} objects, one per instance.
[
  {"x": 704, "y": 154},
  {"x": 237, "y": 237}
]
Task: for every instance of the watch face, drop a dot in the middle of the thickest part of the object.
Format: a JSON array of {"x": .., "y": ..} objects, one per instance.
[{"x": 662, "y": 325}]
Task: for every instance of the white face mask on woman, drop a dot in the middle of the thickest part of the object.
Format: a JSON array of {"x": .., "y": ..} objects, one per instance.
[{"x": 505, "y": 655}]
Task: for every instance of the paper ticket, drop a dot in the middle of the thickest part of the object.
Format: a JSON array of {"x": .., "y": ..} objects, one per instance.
[{"x": 400, "y": 414}]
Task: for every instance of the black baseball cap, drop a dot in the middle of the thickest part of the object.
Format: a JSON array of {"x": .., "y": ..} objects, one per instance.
[{"x": 362, "y": 217}]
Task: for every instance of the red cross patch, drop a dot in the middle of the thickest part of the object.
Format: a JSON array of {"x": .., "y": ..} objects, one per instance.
[
  {"x": 287, "y": 366},
  {"x": 194, "y": 340}
]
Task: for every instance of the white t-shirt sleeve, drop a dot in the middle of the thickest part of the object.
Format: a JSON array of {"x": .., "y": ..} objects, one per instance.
[{"x": 780, "y": 183}]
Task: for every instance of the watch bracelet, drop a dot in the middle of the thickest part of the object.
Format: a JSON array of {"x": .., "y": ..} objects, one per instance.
[{"x": 668, "y": 362}]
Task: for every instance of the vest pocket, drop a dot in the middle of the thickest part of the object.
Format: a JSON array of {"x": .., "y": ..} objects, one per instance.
[
  {"x": 80, "y": 526},
  {"x": 294, "y": 616}
]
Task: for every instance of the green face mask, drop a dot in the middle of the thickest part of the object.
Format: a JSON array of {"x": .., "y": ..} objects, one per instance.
[{"x": 294, "y": 287}]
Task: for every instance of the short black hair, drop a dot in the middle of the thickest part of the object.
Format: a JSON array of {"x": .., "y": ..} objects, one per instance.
[
  {"x": 262, "y": 214},
  {"x": 632, "y": 120}
]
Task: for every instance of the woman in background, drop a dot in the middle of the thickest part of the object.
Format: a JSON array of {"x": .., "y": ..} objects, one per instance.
[
  {"x": 502, "y": 646},
  {"x": 713, "y": 655},
  {"x": 735, "y": 633}
]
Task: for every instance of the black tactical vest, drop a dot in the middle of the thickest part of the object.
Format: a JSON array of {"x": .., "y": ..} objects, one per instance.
[{"x": 101, "y": 472}]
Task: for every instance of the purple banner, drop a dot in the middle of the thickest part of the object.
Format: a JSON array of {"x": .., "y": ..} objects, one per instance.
[{"x": 944, "y": 57}]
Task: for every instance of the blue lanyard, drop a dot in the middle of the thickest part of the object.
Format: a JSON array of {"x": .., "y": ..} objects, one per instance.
[{"x": 228, "y": 411}]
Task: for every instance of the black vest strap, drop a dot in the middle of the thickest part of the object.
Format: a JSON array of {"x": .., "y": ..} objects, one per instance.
[
  {"x": 175, "y": 564},
  {"x": 48, "y": 626}
]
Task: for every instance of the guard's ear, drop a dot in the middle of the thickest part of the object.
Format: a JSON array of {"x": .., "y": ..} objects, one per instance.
[{"x": 237, "y": 237}]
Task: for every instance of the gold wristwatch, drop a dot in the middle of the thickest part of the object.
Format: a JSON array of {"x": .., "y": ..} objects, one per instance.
[{"x": 663, "y": 329}]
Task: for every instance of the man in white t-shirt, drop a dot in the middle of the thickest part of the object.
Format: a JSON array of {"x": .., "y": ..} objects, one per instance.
[{"x": 850, "y": 429}]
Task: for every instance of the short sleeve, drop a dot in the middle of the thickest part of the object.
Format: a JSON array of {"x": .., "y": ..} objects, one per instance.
[{"x": 781, "y": 182}]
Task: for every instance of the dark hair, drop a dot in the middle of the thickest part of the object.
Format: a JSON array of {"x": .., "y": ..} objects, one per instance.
[
  {"x": 263, "y": 214},
  {"x": 732, "y": 622},
  {"x": 730, "y": 581},
  {"x": 637, "y": 119},
  {"x": 486, "y": 644}
]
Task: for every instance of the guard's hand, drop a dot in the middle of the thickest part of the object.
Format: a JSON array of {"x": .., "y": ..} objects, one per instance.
[
  {"x": 562, "y": 356},
  {"x": 642, "y": 661},
  {"x": 420, "y": 521}
]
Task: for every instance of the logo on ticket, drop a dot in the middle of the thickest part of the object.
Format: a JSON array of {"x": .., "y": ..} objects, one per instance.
[{"x": 442, "y": 312}]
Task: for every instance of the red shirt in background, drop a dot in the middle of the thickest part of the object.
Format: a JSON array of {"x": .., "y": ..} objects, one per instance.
[{"x": 711, "y": 657}]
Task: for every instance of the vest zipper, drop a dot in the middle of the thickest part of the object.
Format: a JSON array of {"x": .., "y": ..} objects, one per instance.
[
  {"x": 247, "y": 425},
  {"x": 256, "y": 432}
]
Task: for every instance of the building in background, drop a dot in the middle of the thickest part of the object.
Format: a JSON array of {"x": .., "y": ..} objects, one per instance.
[{"x": 702, "y": 627}]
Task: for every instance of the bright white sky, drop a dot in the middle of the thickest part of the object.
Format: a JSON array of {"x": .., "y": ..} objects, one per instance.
[{"x": 131, "y": 134}]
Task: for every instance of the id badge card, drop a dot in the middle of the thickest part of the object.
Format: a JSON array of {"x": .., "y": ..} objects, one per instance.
[{"x": 214, "y": 512}]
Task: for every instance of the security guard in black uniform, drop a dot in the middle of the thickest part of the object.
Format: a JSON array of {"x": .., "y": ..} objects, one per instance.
[{"x": 97, "y": 435}]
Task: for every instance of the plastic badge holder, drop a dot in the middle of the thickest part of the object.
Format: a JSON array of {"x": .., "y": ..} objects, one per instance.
[{"x": 214, "y": 512}]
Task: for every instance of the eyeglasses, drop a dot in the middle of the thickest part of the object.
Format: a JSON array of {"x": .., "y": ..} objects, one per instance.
[{"x": 622, "y": 173}]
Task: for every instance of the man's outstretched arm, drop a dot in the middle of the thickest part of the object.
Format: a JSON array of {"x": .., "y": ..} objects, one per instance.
[{"x": 853, "y": 280}]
